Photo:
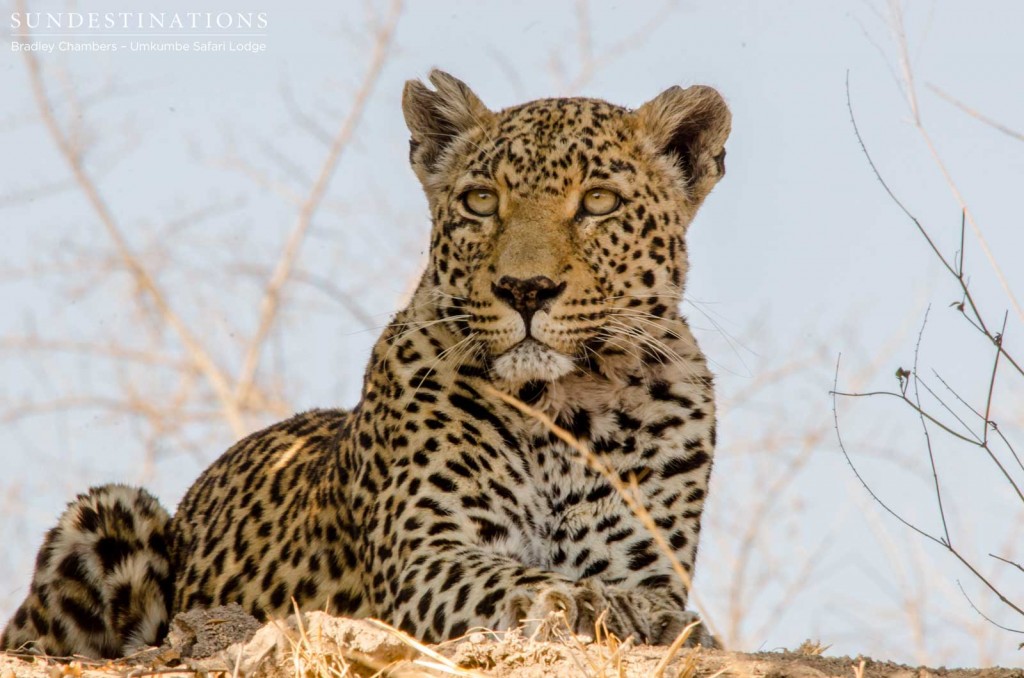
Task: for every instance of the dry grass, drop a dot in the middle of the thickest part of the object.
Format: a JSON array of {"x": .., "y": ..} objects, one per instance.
[
  {"x": 689, "y": 661},
  {"x": 309, "y": 658},
  {"x": 811, "y": 648},
  {"x": 315, "y": 645},
  {"x": 314, "y": 656},
  {"x": 428, "y": 657}
]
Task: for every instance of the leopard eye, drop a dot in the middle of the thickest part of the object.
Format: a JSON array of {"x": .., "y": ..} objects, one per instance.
[
  {"x": 480, "y": 201},
  {"x": 600, "y": 201}
]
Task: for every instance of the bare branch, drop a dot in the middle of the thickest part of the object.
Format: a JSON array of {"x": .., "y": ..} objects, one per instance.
[
  {"x": 105, "y": 349},
  {"x": 270, "y": 304},
  {"x": 911, "y": 404},
  {"x": 145, "y": 282},
  {"x": 303, "y": 120}
]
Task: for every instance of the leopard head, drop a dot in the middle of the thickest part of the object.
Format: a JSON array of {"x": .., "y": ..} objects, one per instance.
[{"x": 559, "y": 225}]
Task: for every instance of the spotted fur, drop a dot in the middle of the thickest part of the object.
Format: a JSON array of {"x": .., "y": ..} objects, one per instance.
[
  {"x": 433, "y": 505},
  {"x": 103, "y": 581}
]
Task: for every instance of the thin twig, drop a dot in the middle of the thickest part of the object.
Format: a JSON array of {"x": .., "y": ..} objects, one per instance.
[
  {"x": 943, "y": 426},
  {"x": 983, "y": 615},
  {"x": 912, "y": 405},
  {"x": 1010, "y": 447},
  {"x": 1007, "y": 561},
  {"x": 956, "y": 395},
  {"x": 842, "y": 448},
  {"x": 978, "y": 321},
  {"x": 924, "y": 428},
  {"x": 949, "y": 547},
  {"x": 989, "y": 424},
  {"x": 946, "y": 407}
]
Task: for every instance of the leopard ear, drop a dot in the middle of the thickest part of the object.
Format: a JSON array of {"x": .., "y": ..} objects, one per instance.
[
  {"x": 690, "y": 126},
  {"x": 437, "y": 117}
]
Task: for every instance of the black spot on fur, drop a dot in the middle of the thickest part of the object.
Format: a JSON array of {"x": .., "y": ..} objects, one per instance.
[
  {"x": 87, "y": 619},
  {"x": 112, "y": 552},
  {"x": 680, "y": 465}
]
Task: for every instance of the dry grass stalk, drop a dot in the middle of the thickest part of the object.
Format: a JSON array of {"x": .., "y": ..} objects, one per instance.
[
  {"x": 610, "y": 648},
  {"x": 977, "y": 115},
  {"x": 690, "y": 662},
  {"x": 433, "y": 659},
  {"x": 309, "y": 660},
  {"x": 588, "y": 60}
]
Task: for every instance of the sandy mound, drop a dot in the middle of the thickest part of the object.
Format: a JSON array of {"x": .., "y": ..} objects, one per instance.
[{"x": 227, "y": 640}]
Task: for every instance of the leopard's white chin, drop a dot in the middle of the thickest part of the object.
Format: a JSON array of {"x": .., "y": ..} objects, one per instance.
[{"x": 532, "y": 361}]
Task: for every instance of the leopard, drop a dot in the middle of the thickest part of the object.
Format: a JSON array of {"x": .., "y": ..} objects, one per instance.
[{"x": 535, "y": 432}]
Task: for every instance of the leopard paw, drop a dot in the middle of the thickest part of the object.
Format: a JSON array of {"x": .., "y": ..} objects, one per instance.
[
  {"x": 667, "y": 626},
  {"x": 557, "y": 608}
]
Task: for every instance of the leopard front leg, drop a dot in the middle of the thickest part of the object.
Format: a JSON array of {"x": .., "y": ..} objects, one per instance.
[{"x": 444, "y": 560}]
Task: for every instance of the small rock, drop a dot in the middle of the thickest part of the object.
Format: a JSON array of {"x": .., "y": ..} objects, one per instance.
[{"x": 205, "y": 633}]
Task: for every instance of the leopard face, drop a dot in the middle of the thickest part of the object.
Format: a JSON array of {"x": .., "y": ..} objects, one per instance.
[{"x": 559, "y": 225}]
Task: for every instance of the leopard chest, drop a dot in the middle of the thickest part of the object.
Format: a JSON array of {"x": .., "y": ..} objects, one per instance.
[{"x": 579, "y": 522}]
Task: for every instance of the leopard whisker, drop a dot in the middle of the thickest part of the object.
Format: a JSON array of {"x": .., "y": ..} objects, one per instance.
[
  {"x": 453, "y": 350},
  {"x": 655, "y": 346},
  {"x": 651, "y": 320},
  {"x": 632, "y": 348}
]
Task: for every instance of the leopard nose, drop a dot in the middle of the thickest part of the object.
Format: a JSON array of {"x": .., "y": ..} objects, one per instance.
[{"x": 527, "y": 295}]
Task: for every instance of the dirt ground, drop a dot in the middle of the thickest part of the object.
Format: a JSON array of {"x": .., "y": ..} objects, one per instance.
[{"x": 228, "y": 642}]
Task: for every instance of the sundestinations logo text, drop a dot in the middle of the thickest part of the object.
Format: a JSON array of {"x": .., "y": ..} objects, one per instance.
[
  {"x": 175, "y": 32},
  {"x": 138, "y": 21}
]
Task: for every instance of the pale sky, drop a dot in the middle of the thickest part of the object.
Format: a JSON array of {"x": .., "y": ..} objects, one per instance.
[{"x": 798, "y": 255}]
